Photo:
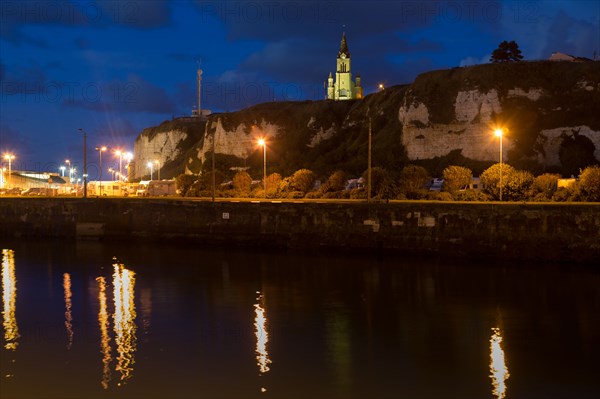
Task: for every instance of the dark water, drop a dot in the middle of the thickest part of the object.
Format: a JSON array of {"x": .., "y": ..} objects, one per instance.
[{"x": 172, "y": 322}]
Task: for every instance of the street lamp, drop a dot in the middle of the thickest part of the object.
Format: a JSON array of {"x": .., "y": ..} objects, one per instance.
[
  {"x": 84, "y": 163},
  {"x": 9, "y": 158},
  {"x": 150, "y": 165},
  {"x": 68, "y": 162},
  {"x": 100, "y": 151},
  {"x": 500, "y": 133},
  {"x": 381, "y": 87},
  {"x": 263, "y": 143},
  {"x": 62, "y": 170}
]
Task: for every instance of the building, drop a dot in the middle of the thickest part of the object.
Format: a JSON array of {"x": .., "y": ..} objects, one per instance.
[
  {"x": 558, "y": 56},
  {"x": 343, "y": 88}
]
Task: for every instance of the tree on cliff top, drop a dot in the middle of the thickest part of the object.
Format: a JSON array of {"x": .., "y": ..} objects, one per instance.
[{"x": 507, "y": 52}]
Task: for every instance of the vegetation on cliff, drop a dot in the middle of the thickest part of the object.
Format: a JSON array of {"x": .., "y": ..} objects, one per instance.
[{"x": 567, "y": 96}]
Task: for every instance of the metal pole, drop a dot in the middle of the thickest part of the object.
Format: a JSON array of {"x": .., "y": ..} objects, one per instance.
[
  {"x": 265, "y": 168},
  {"x": 369, "y": 167},
  {"x": 9, "y": 171},
  {"x": 501, "y": 167},
  {"x": 100, "y": 151},
  {"x": 212, "y": 159},
  {"x": 84, "y": 163}
]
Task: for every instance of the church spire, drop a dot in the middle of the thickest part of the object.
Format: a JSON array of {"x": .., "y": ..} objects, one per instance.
[{"x": 344, "y": 47}]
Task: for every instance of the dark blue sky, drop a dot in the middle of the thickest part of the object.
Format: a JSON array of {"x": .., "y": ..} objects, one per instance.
[{"x": 116, "y": 67}]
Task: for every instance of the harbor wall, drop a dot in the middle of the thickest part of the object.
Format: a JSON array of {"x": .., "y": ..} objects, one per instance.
[{"x": 548, "y": 231}]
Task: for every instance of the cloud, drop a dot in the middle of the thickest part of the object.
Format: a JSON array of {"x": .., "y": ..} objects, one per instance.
[
  {"x": 265, "y": 19},
  {"x": 132, "y": 95},
  {"x": 469, "y": 61},
  {"x": 15, "y": 15},
  {"x": 572, "y": 36}
]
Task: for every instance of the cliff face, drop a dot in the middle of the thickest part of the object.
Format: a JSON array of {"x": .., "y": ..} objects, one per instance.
[{"x": 444, "y": 117}]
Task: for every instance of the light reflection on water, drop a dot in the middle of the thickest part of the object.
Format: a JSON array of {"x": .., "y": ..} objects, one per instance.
[
  {"x": 124, "y": 320},
  {"x": 262, "y": 337},
  {"x": 336, "y": 330},
  {"x": 68, "y": 309},
  {"x": 498, "y": 368},
  {"x": 103, "y": 321},
  {"x": 9, "y": 300}
]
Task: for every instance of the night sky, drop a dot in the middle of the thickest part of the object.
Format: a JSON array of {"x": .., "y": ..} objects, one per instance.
[{"x": 116, "y": 67}]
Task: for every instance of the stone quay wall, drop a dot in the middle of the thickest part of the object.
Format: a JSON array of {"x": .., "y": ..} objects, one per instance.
[{"x": 528, "y": 231}]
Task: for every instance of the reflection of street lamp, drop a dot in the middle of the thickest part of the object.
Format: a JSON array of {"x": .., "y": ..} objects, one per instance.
[
  {"x": 84, "y": 163},
  {"x": 100, "y": 150},
  {"x": 150, "y": 165},
  {"x": 499, "y": 133},
  {"x": 263, "y": 143},
  {"x": 9, "y": 158}
]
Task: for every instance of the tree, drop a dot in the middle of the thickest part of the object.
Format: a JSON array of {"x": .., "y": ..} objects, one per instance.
[
  {"x": 413, "y": 179},
  {"x": 302, "y": 180},
  {"x": 506, "y": 52},
  {"x": 242, "y": 182},
  {"x": 456, "y": 177},
  {"x": 589, "y": 184},
  {"x": 575, "y": 153},
  {"x": 183, "y": 183}
]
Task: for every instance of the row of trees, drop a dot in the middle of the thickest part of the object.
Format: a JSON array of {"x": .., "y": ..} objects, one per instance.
[{"x": 410, "y": 183}]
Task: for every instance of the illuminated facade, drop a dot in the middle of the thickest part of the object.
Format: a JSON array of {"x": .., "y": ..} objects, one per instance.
[{"x": 343, "y": 88}]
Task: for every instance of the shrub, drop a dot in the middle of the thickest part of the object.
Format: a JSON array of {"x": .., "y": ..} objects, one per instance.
[
  {"x": 383, "y": 186},
  {"x": 543, "y": 187},
  {"x": 273, "y": 184},
  {"x": 589, "y": 184},
  {"x": 337, "y": 181},
  {"x": 439, "y": 196},
  {"x": 295, "y": 194},
  {"x": 490, "y": 179},
  {"x": 183, "y": 183},
  {"x": 242, "y": 182},
  {"x": 302, "y": 180},
  {"x": 358, "y": 193},
  {"x": 471, "y": 195},
  {"x": 456, "y": 177},
  {"x": 517, "y": 185},
  {"x": 412, "y": 181}
]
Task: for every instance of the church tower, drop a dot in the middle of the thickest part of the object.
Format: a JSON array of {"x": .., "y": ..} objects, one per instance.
[{"x": 343, "y": 88}]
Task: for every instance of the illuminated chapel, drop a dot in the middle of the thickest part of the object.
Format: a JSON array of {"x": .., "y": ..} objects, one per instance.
[{"x": 343, "y": 88}]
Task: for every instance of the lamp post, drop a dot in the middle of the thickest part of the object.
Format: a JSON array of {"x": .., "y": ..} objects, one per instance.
[
  {"x": 68, "y": 162},
  {"x": 500, "y": 133},
  {"x": 263, "y": 143},
  {"x": 369, "y": 185},
  {"x": 9, "y": 158},
  {"x": 62, "y": 170},
  {"x": 150, "y": 165},
  {"x": 84, "y": 163},
  {"x": 157, "y": 162},
  {"x": 100, "y": 150}
]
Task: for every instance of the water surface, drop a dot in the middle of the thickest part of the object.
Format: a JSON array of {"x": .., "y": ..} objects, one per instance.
[{"x": 110, "y": 320}]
